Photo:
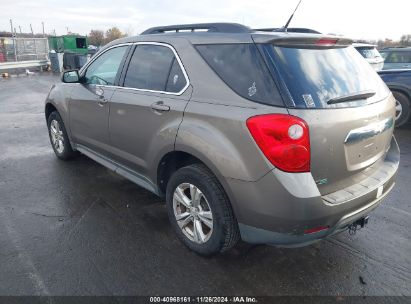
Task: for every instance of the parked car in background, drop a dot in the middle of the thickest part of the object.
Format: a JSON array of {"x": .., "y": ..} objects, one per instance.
[
  {"x": 371, "y": 54},
  {"x": 291, "y": 146},
  {"x": 399, "y": 82},
  {"x": 396, "y": 58}
]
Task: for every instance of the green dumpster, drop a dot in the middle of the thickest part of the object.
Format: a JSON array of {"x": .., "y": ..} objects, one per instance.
[{"x": 69, "y": 44}]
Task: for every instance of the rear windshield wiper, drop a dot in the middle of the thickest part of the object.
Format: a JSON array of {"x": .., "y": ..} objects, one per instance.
[{"x": 351, "y": 97}]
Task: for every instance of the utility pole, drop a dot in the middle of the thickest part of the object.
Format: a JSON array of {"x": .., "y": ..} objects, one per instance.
[
  {"x": 11, "y": 27},
  {"x": 34, "y": 40},
  {"x": 46, "y": 42},
  {"x": 14, "y": 40},
  {"x": 24, "y": 45}
]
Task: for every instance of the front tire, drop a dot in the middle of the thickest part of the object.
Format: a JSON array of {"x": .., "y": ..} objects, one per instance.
[
  {"x": 200, "y": 211},
  {"x": 58, "y": 137},
  {"x": 402, "y": 109}
]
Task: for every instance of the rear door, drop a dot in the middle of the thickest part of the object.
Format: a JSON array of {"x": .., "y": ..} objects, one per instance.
[
  {"x": 146, "y": 111},
  {"x": 349, "y": 110},
  {"x": 89, "y": 106}
]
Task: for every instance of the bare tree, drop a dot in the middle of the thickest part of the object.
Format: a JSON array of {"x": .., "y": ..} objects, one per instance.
[
  {"x": 113, "y": 34},
  {"x": 96, "y": 37},
  {"x": 405, "y": 40}
]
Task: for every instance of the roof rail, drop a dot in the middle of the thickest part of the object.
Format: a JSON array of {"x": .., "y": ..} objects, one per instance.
[
  {"x": 208, "y": 27},
  {"x": 290, "y": 29}
]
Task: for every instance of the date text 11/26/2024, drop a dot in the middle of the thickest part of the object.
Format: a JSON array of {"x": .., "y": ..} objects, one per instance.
[{"x": 209, "y": 299}]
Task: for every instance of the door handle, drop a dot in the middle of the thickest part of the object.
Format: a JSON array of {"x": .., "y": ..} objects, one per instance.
[
  {"x": 160, "y": 107},
  {"x": 100, "y": 96}
]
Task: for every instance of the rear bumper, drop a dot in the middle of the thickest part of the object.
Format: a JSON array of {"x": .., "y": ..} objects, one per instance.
[
  {"x": 256, "y": 235},
  {"x": 278, "y": 208}
]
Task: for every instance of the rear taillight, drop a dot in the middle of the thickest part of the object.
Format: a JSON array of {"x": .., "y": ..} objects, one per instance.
[{"x": 283, "y": 139}]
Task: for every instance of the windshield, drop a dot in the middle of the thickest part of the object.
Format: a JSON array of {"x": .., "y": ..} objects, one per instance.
[{"x": 313, "y": 77}]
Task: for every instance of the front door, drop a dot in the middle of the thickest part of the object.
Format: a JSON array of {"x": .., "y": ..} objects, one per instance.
[{"x": 89, "y": 107}]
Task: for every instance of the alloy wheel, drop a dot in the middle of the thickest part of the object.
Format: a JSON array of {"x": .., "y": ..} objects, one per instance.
[
  {"x": 398, "y": 109},
  {"x": 193, "y": 213},
  {"x": 56, "y": 135}
]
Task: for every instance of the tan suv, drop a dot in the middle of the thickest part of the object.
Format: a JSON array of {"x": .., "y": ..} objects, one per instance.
[{"x": 278, "y": 138}]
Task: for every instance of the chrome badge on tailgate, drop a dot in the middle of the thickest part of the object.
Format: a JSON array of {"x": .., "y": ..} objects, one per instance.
[
  {"x": 371, "y": 130},
  {"x": 365, "y": 145}
]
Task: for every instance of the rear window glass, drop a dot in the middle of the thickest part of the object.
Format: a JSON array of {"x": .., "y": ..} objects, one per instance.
[
  {"x": 368, "y": 52},
  {"x": 243, "y": 69},
  {"x": 315, "y": 76},
  {"x": 155, "y": 68}
]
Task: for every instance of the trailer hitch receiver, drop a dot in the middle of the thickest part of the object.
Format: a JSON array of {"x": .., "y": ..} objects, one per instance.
[{"x": 358, "y": 224}]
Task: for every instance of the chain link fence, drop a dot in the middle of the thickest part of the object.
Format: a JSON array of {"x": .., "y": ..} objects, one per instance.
[{"x": 23, "y": 49}]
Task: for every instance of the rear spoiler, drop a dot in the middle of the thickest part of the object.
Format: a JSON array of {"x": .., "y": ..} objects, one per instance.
[{"x": 303, "y": 41}]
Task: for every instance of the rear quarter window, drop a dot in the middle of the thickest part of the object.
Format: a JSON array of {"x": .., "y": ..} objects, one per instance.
[{"x": 243, "y": 69}]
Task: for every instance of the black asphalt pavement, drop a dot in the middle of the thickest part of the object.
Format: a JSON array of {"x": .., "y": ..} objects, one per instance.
[{"x": 76, "y": 228}]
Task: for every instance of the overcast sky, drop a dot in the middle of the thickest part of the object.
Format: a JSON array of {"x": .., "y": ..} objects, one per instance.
[{"x": 360, "y": 19}]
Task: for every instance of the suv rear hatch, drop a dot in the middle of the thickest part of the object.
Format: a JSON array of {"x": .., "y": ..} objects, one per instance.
[{"x": 348, "y": 109}]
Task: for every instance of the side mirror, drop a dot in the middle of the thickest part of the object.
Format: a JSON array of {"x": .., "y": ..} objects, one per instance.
[{"x": 71, "y": 77}]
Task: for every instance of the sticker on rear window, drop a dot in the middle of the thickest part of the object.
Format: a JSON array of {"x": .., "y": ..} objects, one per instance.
[
  {"x": 309, "y": 101},
  {"x": 175, "y": 79},
  {"x": 252, "y": 90}
]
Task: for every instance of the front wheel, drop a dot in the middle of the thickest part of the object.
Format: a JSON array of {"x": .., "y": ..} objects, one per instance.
[
  {"x": 58, "y": 137},
  {"x": 200, "y": 212}
]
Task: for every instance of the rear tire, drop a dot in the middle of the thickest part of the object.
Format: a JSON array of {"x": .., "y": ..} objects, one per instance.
[
  {"x": 403, "y": 109},
  {"x": 58, "y": 137},
  {"x": 209, "y": 208}
]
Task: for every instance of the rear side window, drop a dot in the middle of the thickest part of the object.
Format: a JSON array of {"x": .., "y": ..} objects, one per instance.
[
  {"x": 399, "y": 57},
  {"x": 154, "y": 67},
  {"x": 243, "y": 69}
]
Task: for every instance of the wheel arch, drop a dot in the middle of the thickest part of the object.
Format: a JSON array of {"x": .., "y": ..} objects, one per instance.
[
  {"x": 51, "y": 107},
  {"x": 174, "y": 160},
  {"x": 407, "y": 95},
  {"x": 48, "y": 109},
  {"x": 400, "y": 89}
]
